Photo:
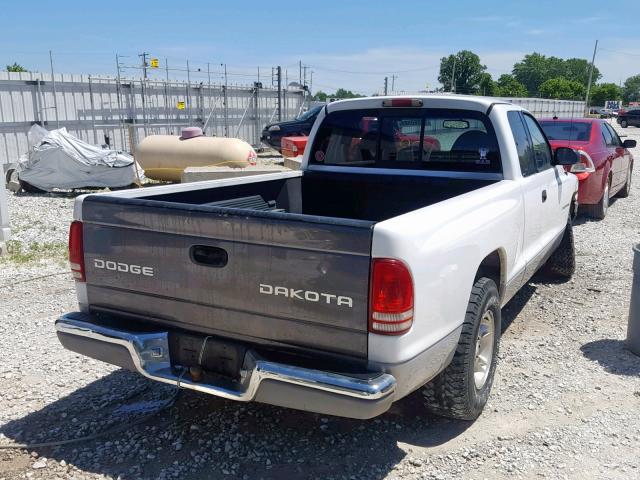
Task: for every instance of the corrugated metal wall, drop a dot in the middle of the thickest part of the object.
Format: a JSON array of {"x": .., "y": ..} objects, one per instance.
[
  {"x": 542, "y": 107},
  {"x": 94, "y": 107}
]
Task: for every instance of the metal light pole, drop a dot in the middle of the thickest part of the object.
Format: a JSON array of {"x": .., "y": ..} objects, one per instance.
[
  {"x": 586, "y": 100},
  {"x": 453, "y": 75}
]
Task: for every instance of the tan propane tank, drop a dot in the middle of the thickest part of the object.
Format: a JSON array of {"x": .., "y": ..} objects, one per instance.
[{"x": 164, "y": 157}]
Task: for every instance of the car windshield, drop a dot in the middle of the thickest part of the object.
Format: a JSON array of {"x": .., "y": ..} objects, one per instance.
[
  {"x": 571, "y": 131},
  {"x": 412, "y": 139},
  {"x": 309, "y": 113}
]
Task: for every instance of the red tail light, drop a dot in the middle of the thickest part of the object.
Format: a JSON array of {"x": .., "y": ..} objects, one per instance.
[
  {"x": 391, "y": 297},
  {"x": 402, "y": 102},
  {"x": 586, "y": 163},
  {"x": 76, "y": 251}
]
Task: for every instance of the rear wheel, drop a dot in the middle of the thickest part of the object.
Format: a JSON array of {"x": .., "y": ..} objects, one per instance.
[
  {"x": 599, "y": 210},
  {"x": 626, "y": 190},
  {"x": 624, "y": 124},
  {"x": 461, "y": 391},
  {"x": 562, "y": 262}
]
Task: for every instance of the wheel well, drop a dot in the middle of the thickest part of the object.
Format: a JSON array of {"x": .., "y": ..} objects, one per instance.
[{"x": 492, "y": 267}]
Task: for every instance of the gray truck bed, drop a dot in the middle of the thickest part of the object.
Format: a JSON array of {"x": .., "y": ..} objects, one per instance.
[{"x": 289, "y": 267}]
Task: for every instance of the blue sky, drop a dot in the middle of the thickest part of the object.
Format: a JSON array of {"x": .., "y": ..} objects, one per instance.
[{"x": 350, "y": 44}]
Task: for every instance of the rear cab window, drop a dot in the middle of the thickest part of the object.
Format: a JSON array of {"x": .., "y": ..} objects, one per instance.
[{"x": 408, "y": 139}]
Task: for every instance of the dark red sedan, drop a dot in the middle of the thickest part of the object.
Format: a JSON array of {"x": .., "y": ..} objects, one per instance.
[{"x": 606, "y": 163}]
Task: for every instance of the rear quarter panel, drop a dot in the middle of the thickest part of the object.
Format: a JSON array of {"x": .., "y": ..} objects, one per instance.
[{"x": 443, "y": 245}]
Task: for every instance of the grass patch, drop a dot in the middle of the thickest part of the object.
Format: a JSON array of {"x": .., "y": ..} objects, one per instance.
[{"x": 20, "y": 252}]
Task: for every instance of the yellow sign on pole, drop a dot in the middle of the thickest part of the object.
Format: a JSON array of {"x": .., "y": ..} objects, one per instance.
[
  {"x": 180, "y": 106},
  {"x": 155, "y": 63}
]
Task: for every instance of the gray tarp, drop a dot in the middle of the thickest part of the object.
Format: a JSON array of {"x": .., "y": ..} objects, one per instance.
[{"x": 57, "y": 159}]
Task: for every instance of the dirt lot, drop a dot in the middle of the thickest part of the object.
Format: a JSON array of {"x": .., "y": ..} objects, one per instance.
[{"x": 565, "y": 402}]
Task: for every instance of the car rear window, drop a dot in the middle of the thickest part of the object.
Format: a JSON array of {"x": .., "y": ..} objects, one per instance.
[
  {"x": 572, "y": 131},
  {"x": 423, "y": 139}
]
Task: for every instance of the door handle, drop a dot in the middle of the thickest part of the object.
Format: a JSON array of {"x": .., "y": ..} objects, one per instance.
[
  {"x": 208, "y": 256},
  {"x": 544, "y": 196}
]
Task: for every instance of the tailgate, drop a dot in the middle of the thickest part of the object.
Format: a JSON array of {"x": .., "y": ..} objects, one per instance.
[{"x": 265, "y": 277}]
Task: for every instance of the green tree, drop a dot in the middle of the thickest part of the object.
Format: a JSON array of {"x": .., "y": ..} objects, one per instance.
[
  {"x": 342, "y": 93},
  {"x": 605, "y": 91},
  {"x": 16, "y": 68},
  {"x": 562, "y": 89},
  {"x": 631, "y": 89},
  {"x": 508, "y": 86},
  {"x": 578, "y": 69},
  {"x": 487, "y": 86},
  {"x": 320, "y": 96},
  {"x": 535, "y": 69},
  {"x": 468, "y": 72}
]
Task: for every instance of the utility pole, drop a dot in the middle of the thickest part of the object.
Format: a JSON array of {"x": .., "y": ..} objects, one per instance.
[
  {"x": 386, "y": 85},
  {"x": 300, "y": 75},
  {"x": 118, "y": 94},
  {"x": 586, "y": 100},
  {"x": 311, "y": 83},
  {"x": 226, "y": 104},
  {"x": 279, "y": 79},
  {"x": 144, "y": 55},
  {"x": 393, "y": 83},
  {"x": 453, "y": 75},
  {"x": 168, "y": 112},
  {"x": 53, "y": 86}
]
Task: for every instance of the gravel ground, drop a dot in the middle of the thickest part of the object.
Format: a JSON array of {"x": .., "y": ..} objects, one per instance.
[{"x": 564, "y": 405}]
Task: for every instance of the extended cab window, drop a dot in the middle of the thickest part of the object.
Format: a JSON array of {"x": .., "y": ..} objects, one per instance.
[
  {"x": 541, "y": 149},
  {"x": 414, "y": 139},
  {"x": 521, "y": 137}
]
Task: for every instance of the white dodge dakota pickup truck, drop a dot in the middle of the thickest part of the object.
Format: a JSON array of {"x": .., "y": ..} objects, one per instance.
[{"x": 379, "y": 268}]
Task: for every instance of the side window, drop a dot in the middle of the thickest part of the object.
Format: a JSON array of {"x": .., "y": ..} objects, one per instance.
[
  {"x": 520, "y": 135},
  {"x": 614, "y": 136},
  {"x": 541, "y": 149},
  {"x": 606, "y": 134}
]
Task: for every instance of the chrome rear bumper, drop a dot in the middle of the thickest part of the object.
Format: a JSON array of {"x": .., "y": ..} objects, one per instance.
[{"x": 260, "y": 380}]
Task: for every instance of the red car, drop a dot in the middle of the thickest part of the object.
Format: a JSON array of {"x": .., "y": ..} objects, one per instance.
[{"x": 606, "y": 163}]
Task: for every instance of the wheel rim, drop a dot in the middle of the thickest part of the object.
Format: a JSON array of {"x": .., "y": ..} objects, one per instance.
[
  {"x": 484, "y": 349},
  {"x": 605, "y": 198}
]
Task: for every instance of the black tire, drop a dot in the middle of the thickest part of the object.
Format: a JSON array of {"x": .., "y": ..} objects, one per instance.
[
  {"x": 624, "y": 124},
  {"x": 626, "y": 190},
  {"x": 562, "y": 262},
  {"x": 453, "y": 393},
  {"x": 599, "y": 210},
  {"x": 27, "y": 187}
]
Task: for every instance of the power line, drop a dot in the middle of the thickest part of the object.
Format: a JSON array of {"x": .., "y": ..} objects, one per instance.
[{"x": 335, "y": 70}]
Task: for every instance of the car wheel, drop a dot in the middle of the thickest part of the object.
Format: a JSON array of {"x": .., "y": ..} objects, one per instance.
[
  {"x": 599, "y": 210},
  {"x": 562, "y": 262},
  {"x": 626, "y": 190},
  {"x": 462, "y": 389},
  {"x": 624, "y": 124}
]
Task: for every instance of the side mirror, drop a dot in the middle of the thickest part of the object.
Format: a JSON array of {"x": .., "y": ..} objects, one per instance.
[
  {"x": 629, "y": 144},
  {"x": 565, "y": 156}
]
